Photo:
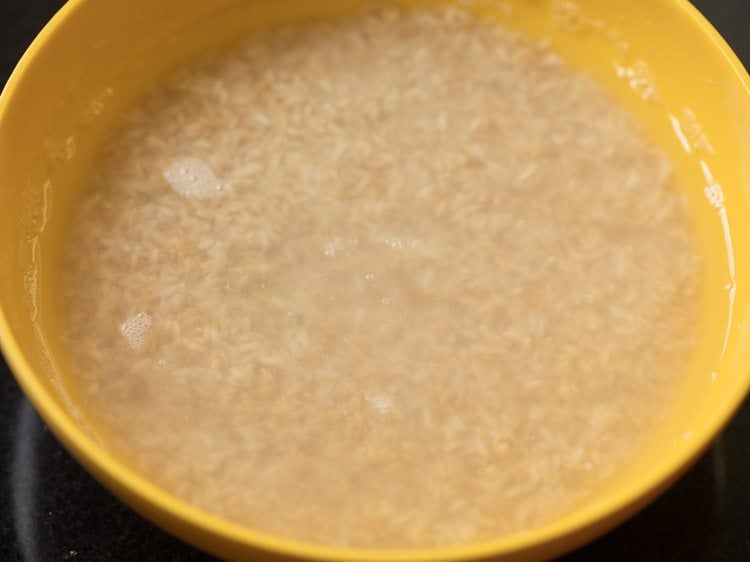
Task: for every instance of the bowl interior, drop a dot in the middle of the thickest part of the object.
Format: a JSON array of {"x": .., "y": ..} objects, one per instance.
[{"x": 661, "y": 61}]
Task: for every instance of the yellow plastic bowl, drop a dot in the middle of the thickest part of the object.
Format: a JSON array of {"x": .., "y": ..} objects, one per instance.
[{"x": 659, "y": 58}]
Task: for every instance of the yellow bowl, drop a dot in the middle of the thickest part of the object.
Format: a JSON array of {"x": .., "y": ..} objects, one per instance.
[{"x": 660, "y": 59}]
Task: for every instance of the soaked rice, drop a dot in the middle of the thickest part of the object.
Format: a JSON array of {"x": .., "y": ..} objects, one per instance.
[{"x": 401, "y": 280}]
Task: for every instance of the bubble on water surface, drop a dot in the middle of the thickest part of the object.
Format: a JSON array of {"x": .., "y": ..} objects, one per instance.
[
  {"x": 135, "y": 328},
  {"x": 192, "y": 178},
  {"x": 339, "y": 244},
  {"x": 382, "y": 403}
]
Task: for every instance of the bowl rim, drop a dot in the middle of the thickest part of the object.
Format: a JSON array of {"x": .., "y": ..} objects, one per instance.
[{"x": 136, "y": 486}]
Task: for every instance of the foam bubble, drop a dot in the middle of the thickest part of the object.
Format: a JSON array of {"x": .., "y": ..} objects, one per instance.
[
  {"x": 333, "y": 247},
  {"x": 381, "y": 402},
  {"x": 339, "y": 244},
  {"x": 640, "y": 79},
  {"x": 402, "y": 243},
  {"x": 135, "y": 328},
  {"x": 191, "y": 177}
]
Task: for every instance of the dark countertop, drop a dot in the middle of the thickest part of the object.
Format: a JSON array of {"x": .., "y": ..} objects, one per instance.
[{"x": 51, "y": 510}]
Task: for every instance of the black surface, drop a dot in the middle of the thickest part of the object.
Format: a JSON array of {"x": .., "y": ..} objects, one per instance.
[{"x": 50, "y": 509}]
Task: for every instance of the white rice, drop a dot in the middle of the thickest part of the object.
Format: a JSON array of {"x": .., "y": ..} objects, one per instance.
[{"x": 396, "y": 281}]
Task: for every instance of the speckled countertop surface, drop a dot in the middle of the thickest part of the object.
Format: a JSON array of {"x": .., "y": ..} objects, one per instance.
[{"x": 50, "y": 509}]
